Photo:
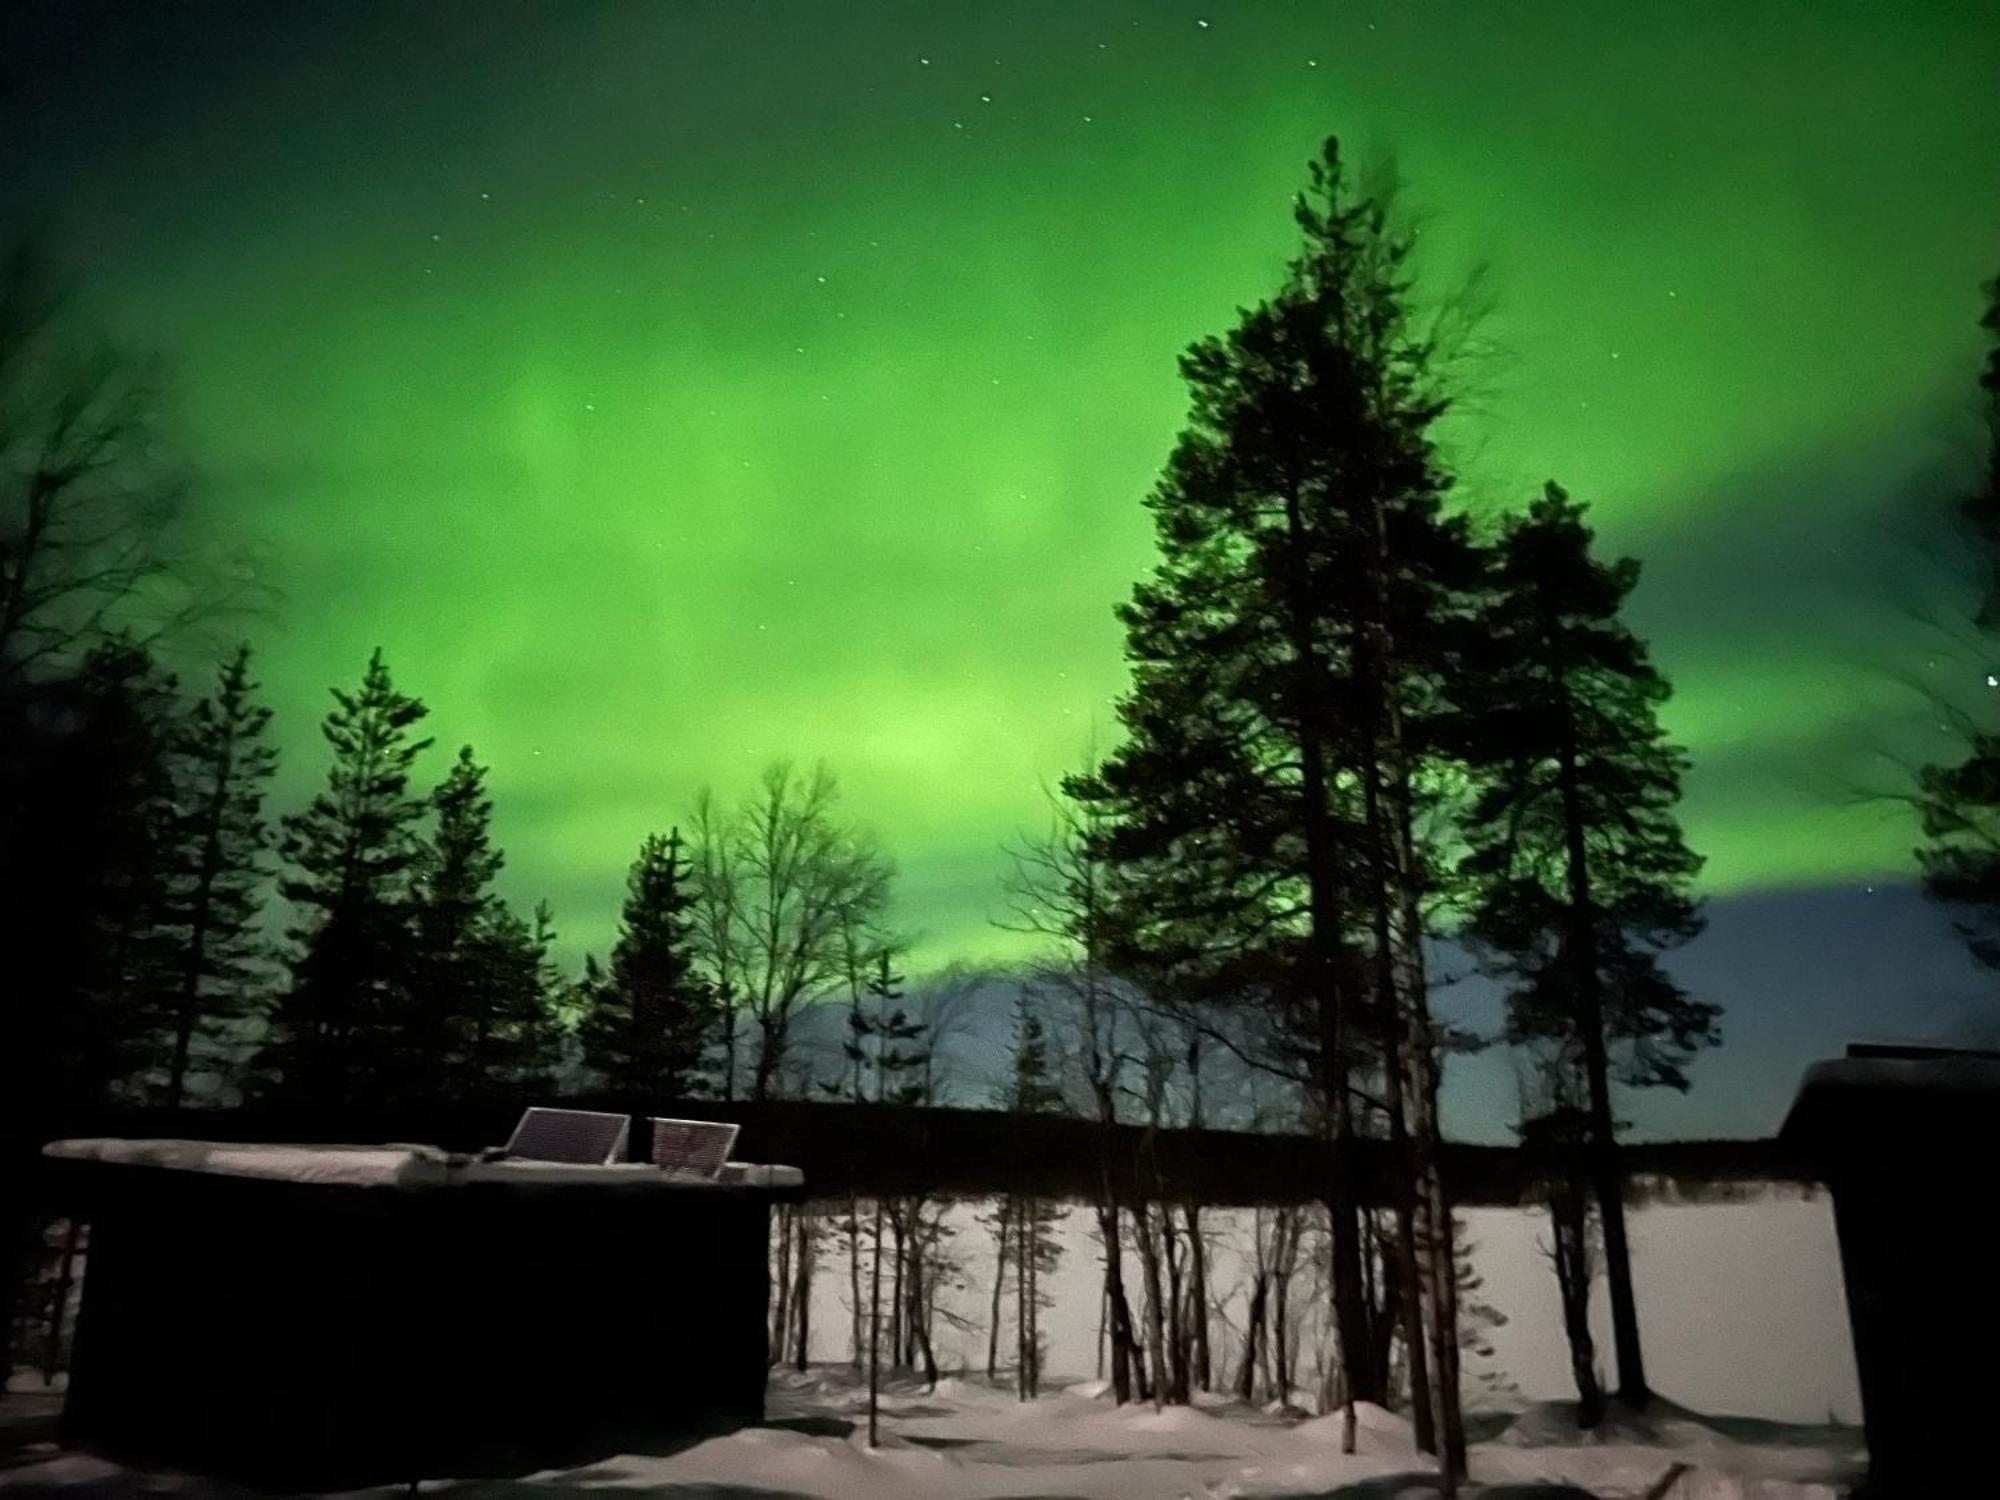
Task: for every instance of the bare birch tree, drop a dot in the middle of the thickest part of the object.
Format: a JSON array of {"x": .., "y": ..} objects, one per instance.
[{"x": 783, "y": 881}]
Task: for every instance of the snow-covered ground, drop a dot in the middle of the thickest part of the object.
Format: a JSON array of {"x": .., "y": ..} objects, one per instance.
[
  {"x": 1740, "y": 1304},
  {"x": 969, "y": 1441}
]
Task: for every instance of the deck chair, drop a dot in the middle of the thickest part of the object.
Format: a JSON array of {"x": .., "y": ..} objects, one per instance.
[
  {"x": 692, "y": 1148},
  {"x": 577, "y": 1137}
]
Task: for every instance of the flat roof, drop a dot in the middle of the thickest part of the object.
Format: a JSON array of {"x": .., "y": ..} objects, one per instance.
[
  {"x": 1877, "y": 1089},
  {"x": 406, "y": 1168}
]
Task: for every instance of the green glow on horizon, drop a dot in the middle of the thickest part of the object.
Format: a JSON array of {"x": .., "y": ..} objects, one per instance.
[{"x": 670, "y": 389}]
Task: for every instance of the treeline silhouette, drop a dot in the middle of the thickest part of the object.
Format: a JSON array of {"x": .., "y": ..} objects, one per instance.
[{"x": 176, "y": 941}]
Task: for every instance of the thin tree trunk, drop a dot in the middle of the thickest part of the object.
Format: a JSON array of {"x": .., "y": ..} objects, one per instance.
[
  {"x": 808, "y": 1262},
  {"x": 875, "y": 1331},
  {"x": 1204, "y": 1369},
  {"x": 1024, "y": 1252},
  {"x": 913, "y": 1286},
  {"x": 1103, "y": 1317},
  {"x": 1569, "y": 1218},
  {"x": 782, "y": 1279},
  {"x": 1422, "y": 1414},
  {"x": 1031, "y": 1313},
  {"x": 854, "y": 1271},
  {"x": 999, "y": 1282},
  {"x": 1441, "y": 1267},
  {"x": 922, "y": 1303},
  {"x": 1397, "y": 1296},
  {"x": 1156, "y": 1331},
  {"x": 1281, "y": 1302},
  {"x": 65, "y": 1271},
  {"x": 897, "y": 1346},
  {"x": 1253, "y": 1328},
  {"x": 1177, "y": 1331},
  {"x": 1114, "y": 1297}
]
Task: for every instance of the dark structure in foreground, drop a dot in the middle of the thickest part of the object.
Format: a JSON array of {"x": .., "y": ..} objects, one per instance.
[
  {"x": 1891, "y": 1131},
  {"x": 330, "y": 1317}
]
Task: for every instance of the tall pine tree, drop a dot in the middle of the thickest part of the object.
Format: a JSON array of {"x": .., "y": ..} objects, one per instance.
[
  {"x": 652, "y": 1014},
  {"x": 1577, "y": 869},
  {"x": 1289, "y": 653},
  {"x": 216, "y": 873},
  {"x": 1959, "y": 802},
  {"x": 337, "y": 1028}
]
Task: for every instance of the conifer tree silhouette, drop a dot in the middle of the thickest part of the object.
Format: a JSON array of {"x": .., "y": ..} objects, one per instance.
[
  {"x": 1578, "y": 872},
  {"x": 337, "y": 1027},
  {"x": 478, "y": 1022},
  {"x": 1290, "y": 654},
  {"x": 651, "y": 1014},
  {"x": 216, "y": 851}
]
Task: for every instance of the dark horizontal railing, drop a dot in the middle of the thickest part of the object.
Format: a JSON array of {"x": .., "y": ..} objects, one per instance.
[{"x": 879, "y": 1149}]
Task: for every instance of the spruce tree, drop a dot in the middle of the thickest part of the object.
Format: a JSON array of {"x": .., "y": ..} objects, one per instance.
[
  {"x": 1959, "y": 802},
  {"x": 1577, "y": 871},
  {"x": 518, "y": 1039},
  {"x": 218, "y": 839},
  {"x": 1289, "y": 655},
  {"x": 336, "y": 1029},
  {"x": 452, "y": 894},
  {"x": 477, "y": 1021},
  {"x": 651, "y": 1015}
]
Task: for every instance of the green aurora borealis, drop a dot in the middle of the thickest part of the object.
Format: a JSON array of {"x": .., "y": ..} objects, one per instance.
[{"x": 671, "y": 387}]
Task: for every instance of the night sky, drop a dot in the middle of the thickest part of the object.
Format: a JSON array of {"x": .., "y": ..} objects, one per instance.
[{"x": 671, "y": 387}]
